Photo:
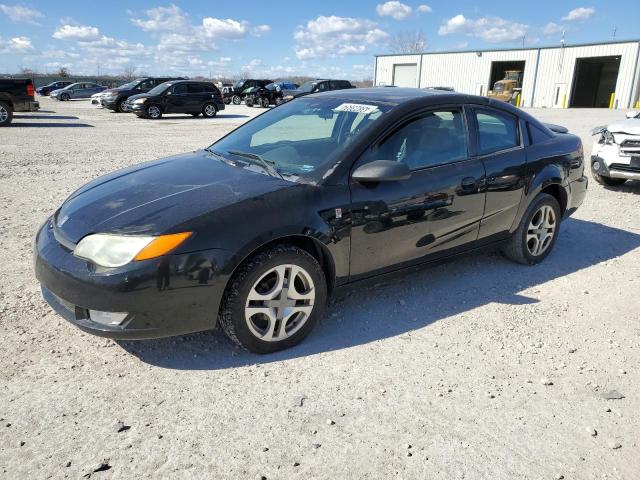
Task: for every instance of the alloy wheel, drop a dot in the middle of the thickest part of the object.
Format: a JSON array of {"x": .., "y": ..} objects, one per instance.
[
  {"x": 209, "y": 110},
  {"x": 153, "y": 111},
  {"x": 541, "y": 230},
  {"x": 4, "y": 114},
  {"x": 280, "y": 303}
]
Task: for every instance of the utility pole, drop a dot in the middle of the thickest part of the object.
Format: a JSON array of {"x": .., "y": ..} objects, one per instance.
[{"x": 613, "y": 37}]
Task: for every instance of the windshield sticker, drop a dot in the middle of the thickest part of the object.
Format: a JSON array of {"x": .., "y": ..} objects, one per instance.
[{"x": 356, "y": 108}]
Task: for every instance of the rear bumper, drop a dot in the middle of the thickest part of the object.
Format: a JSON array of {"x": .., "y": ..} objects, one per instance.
[
  {"x": 26, "y": 106},
  {"x": 578, "y": 191},
  {"x": 171, "y": 295}
]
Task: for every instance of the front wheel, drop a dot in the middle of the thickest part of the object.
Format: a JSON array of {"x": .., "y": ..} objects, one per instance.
[
  {"x": 6, "y": 114},
  {"x": 120, "y": 106},
  {"x": 537, "y": 233},
  {"x": 608, "y": 181},
  {"x": 274, "y": 299},
  {"x": 153, "y": 112},
  {"x": 264, "y": 102},
  {"x": 65, "y": 97},
  {"x": 236, "y": 100}
]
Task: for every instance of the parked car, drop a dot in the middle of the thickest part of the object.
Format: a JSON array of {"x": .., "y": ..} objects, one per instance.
[
  {"x": 77, "y": 90},
  {"x": 177, "y": 96},
  {"x": 258, "y": 230},
  {"x": 319, "y": 85},
  {"x": 115, "y": 98},
  {"x": 616, "y": 155},
  {"x": 16, "y": 95},
  {"x": 227, "y": 93},
  {"x": 97, "y": 97},
  {"x": 241, "y": 86},
  {"x": 264, "y": 96},
  {"x": 47, "y": 89}
]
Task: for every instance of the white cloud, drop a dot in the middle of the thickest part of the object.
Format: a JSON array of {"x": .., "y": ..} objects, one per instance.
[
  {"x": 424, "y": 9},
  {"x": 336, "y": 36},
  {"x": 159, "y": 19},
  {"x": 19, "y": 14},
  {"x": 16, "y": 45},
  {"x": 394, "y": 9},
  {"x": 260, "y": 30},
  {"x": 580, "y": 14},
  {"x": 489, "y": 29},
  {"x": 224, "y": 28},
  {"x": 552, "y": 28},
  {"x": 76, "y": 32}
]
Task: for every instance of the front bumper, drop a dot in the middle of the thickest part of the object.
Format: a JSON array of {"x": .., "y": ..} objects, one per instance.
[
  {"x": 616, "y": 161},
  {"x": 171, "y": 295},
  {"x": 110, "y": 104}
]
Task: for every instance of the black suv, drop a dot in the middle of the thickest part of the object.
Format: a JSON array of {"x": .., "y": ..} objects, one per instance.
[
  {"x": 47, "y": 89},
  {"x": 242, "y": 85},
  {"x": 319, "y": 85},
  {"x": 177, "y": 96},
  {"x": 114, "y": 98},
  {"x": 16, "y": 95}
]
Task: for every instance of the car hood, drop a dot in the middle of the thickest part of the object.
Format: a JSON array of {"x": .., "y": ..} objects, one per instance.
[
  {"x": 154, "y": 197},
  {"x": 139, "y": 95},
  {"x": 630, "y": 126}
]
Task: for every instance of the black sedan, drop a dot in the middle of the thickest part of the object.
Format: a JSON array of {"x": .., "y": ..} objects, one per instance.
[{"x": 258, "y": 230}]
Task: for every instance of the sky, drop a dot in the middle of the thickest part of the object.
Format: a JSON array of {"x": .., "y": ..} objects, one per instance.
[{"x": 325, "y": 38}]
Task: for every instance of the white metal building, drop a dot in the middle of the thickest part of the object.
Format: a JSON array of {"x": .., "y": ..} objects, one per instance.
[{"x": 587, "y": 75}]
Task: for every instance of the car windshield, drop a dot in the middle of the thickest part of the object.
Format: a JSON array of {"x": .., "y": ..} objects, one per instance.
[
  {"x": 239, "y": 84},
  {"x": 160, "y": 88},
  {"x": 307, "y": 86},
  {"x": 132, "y": 84},
  {"x": 498, "y": 87},
  {"x": 301, "y": 139}
]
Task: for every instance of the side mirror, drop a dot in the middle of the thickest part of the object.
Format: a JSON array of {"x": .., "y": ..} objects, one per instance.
[
  {"x": 169, "y": 93},
  {"x": 632, "y": 114},
  {"x": 382, "y": 171}
]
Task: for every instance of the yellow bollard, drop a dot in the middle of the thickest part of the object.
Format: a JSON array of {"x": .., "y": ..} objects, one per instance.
[
  {"x": 637, "y": 104},
  {"x": 613, "y": 95},
  {"x": 564, "y": 101},
  {"x": 518, "y": 101}
]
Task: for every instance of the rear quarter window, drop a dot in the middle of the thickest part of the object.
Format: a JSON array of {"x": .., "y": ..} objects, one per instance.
[{"x": 537, "y": 135}]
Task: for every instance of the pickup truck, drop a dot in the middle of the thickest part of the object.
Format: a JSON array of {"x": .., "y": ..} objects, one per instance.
[{"x": 16, "y": 95}]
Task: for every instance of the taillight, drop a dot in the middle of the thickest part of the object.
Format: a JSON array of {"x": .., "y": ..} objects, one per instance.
[{"x": 30, "y": 91}]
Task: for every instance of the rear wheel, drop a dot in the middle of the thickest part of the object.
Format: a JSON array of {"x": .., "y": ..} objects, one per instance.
[
  {"x": 6, "y": 114},
  {"x": 236, "y": 100},
  {"x": 264, "y": 101},
  {"x": 537, "y": 233},
  {"x": 209, "y": 110},
  {"x": 608, "y": 181},
  {"x": 274, "y": 299},
  {"x": 120, "y": 106},
  {"x": 153, "y": 112},
  {"x": 227, "y": 100}
]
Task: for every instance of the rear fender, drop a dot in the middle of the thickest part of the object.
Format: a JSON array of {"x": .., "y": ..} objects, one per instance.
[{"x": 549, "y": 175}]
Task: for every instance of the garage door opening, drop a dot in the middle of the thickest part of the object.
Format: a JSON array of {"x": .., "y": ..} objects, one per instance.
[
  {"x": 594, "y": 81},
  {"x": 499, "y": 71},
  {"x": 405, "y": 75}
]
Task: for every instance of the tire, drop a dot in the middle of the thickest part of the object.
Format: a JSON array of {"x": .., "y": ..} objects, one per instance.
[
  {"x": 264, "y": 102},
  {"x": 248, "y": 103},
  {"x": 209, "y": 110},
  {"x": 64, "y": 97},
  {"x": 153, "y": 112},
  {"x": 6, "y": 114},
  {"x": 258, "y": 276},
  {"x": 530, "y": 245},
  {"x": 120, "y": 106},
  {"x": 226, "y": 100},
  {"x": 236, "y": 100},
  {"x": 608, "y": 181}
]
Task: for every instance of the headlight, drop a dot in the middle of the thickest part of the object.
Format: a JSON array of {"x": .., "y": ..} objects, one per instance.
[
  {"x": 139, "y": 101},
  {"x": 608, "y": 137},
  {"x": 116, "y": 250}
]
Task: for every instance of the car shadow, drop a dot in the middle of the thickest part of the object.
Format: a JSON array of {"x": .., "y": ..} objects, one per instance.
[
  {"x": 48, "y": 117},
  {"x": 630, "y": 186},
  {"x": 400, "y": 305},
  {"x": 170, "y": 117},
  {"x": 49, "y": 125}
]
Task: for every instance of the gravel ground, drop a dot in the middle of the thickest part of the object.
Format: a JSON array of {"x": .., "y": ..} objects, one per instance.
[{"x": 478, "y": 368}]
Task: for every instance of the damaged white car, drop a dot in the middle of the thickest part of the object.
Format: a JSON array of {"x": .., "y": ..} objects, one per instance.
[{"x": 616, "y": 155}]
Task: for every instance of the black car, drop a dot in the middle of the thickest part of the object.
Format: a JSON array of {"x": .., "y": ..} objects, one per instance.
[
  {"x": 115, "y": 98},
  {"x": 258, "y": 230},
  {"x": 180, "y": 96},
  {"x": 319, "y": 86},
  {"x": 16, "y": 95},
  {"x": 241, "y": 86},
  {"x": 264, "y": 96},
  {"x": 47, "y": 89}
]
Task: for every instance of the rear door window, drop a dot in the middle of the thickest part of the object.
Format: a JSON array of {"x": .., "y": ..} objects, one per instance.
[{"x": 496, "y": 131}]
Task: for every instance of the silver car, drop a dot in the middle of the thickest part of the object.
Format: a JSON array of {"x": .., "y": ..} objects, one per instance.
[{"x": 77, "y": 90}]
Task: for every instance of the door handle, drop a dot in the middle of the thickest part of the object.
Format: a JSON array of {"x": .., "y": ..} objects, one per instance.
[{"x": 469, "y": 183}]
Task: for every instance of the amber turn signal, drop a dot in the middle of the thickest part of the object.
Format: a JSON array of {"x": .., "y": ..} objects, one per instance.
[{"x": 162, "y": 245}]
